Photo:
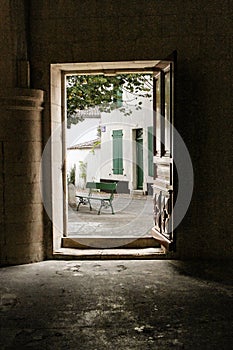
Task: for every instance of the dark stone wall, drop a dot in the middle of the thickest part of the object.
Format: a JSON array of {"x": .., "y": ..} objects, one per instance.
[
  {"x": 21, "y": 208},
  {"x": 201, "y": 32}
]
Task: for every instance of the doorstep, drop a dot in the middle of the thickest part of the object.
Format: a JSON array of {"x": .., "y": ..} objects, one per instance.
[
  {"x": 109, "y": 254},
  {"x": 109, "y": 242}
]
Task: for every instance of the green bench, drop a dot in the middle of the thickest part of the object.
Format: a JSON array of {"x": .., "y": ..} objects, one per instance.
[{"x": 94, "y": 189}]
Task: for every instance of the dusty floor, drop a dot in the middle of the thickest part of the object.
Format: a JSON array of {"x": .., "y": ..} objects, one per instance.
[{"x": 116, "y": 305}]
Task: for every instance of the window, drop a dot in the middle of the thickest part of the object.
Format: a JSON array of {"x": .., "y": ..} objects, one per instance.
[
  {"x": 117, "y": 152},
  {"x": 118, "y": 100},
  {"x": 150, "y": 151}
]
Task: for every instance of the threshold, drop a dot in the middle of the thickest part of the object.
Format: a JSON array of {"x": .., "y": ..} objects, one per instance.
[{"x": 109, "y": 254}]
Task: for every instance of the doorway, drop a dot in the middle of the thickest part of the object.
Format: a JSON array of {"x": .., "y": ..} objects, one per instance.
[
  {"x": 93, "y": 68},
  {"x": 109, "y": 160}
]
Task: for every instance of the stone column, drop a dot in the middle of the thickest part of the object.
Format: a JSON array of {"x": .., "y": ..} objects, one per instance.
[{"x": 21, "y": 218}]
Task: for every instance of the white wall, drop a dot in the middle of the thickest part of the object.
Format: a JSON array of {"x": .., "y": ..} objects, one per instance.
[
  {"x": 115, "y": 121},
  {"x": 79, "y": 133},
  {"x": 100, "y": 164},
  {"x": 83, "y": 131},
  {"x": 86, "y": 156}
]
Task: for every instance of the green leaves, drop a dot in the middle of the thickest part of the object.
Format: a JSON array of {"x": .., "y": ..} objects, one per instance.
[{"x": 89, "y": 91}]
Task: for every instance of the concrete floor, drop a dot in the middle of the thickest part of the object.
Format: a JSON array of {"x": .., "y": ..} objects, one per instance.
[{"x": 116, "y": 305}]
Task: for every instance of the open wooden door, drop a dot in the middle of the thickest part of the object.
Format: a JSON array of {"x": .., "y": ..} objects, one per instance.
[{"x": 163, "y": 187}]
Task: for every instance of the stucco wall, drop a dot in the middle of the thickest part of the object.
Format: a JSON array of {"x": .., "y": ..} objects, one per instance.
[
  {"x": 92, "y": 159},
  {"x": 128, "y": 124}
]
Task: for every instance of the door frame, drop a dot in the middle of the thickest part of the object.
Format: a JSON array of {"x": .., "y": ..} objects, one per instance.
[{"x": 58, "y": 113}]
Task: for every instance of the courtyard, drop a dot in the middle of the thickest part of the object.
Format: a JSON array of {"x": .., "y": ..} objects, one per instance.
[{"x": 133, "y": 218}]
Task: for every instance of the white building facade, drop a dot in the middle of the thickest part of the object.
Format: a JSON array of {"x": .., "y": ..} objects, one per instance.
[
  {"x": 125, "y": 155},
  {"x": 127, "y": 149}
]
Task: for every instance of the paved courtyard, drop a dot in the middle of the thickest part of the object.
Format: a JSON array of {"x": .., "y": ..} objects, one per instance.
[{"x": 133, "y": 218}]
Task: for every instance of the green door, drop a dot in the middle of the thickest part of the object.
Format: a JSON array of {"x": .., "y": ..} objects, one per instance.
[
  {"x": 139, "y": 159},
  {"x": 117, "y": 152}
]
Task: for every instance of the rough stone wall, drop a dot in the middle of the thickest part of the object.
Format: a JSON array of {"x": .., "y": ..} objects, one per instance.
[
  {"x": 201, "y": 32},
  {"x": 21, "y": 146},
  {"x": 66, "y": 31},
  {"x": 21, "y": 219}
]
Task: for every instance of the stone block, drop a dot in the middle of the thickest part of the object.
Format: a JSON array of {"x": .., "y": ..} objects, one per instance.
[
  {"x": 71, "y": 194},
  {"x": 30, "y": 177},
  {"x": 23, "y": 152},
  {"x": 26, "y": 174},
  {"x": 26, "y": 130},
  {"x": 24, "y": 213},
  {"x": 23, "y": 233},
  {"x": 24, "y": 253},
  {"x": 56, "y": 111},
  {"x": 23, "y": 194}
]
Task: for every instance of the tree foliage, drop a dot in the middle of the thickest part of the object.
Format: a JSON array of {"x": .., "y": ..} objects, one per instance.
[
  {"x": 90, "y": 91},
  {"x": 71, "y": 175}
]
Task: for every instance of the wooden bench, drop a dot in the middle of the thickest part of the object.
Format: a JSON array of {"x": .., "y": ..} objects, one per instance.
[{"x": 94, "y": 188}]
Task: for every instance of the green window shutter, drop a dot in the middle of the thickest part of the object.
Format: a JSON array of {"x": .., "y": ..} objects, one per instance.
[
  {"x": 117, "y": 136},
  {"x": 119, "y": 98},
  {"x": 150, "y": 151}
]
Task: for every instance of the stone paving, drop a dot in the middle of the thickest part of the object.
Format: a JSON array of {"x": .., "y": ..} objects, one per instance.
[{"x": 133, "y": 218}]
